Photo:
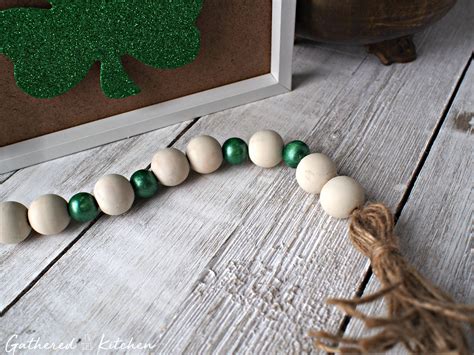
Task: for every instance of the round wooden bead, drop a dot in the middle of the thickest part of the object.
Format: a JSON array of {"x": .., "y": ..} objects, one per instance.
[
  {"x": 114, "y": 194},
  {"x": 48, "y": 214},
  {"x": 204, "y": 154},
  {"x": 14, "y": 227},
  {"x": 83, "y": 207},
  {"x": 235, "y": 151},
  {"x": 170, "y": 166},
  {"x": 314, "y": 171},
  {"x": 341, "y": 195},
  {"x": 294, "y": 152},
  {"x": 144, "y": 183},
  {"x": 265, "y": 149}
]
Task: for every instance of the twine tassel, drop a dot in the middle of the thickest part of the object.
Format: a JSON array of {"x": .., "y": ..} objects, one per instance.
[{"x": 420, "y": 316}]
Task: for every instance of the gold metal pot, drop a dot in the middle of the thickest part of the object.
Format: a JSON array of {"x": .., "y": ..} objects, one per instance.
[{"x": 386, "y": 26}]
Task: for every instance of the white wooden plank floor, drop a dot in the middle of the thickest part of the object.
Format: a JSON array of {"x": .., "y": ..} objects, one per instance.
[{"x": 242, "y": 260}]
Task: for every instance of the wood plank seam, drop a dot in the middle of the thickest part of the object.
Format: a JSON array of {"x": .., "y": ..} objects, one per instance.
[
  {"x": 105, "y": 166},
  {"x": 398, "y": 211},
  {"x": 48, "y": 267},
  {"x": 5, "y": 177},
  {"x": 431, "y": 141},
  {"x": 79, "y": 236},
  {"x": 436, "y": 223}
]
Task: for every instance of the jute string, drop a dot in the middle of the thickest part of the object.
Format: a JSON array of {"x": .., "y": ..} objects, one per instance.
[{"x": 420, "y": 316}]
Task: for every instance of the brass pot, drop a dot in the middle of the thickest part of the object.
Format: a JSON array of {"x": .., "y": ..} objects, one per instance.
[{"x": 381, "y": 24}]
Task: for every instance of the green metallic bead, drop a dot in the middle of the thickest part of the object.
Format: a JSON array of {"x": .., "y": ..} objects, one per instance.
[
  {"x": 83, "y": 207},
  {"x": 144, "y": 183},
  {"x": 235, "y": 151},
  {"x": 293, "y": 152}
]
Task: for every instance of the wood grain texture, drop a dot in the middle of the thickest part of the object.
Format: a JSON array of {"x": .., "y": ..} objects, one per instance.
[
  {"x": 242, "y": 260},
  {"x": 264, "y": 291},
  {"x": 23, "y": 263},
  {"x": 149, "y": 259},
  {"x": 435, "y": 227}
]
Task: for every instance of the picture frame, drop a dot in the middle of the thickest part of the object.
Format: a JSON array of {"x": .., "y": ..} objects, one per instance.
[{"x": 114, "y": 128}]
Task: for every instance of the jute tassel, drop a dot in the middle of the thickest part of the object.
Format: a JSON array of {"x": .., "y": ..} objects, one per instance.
[{"x": 420, "y": 316}]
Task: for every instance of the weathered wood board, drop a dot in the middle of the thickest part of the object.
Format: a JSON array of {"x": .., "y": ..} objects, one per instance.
[
  {"x": 435, "y": 227},
  {"x": 260, "y": 298},
  {"x": 240, "y": 260}
]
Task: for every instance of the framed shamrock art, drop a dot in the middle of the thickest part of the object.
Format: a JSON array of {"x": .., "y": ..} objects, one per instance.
[{"x": 75, "y": 74}]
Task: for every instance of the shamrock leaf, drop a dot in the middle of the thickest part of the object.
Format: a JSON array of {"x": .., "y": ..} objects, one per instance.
[{"x": 53, "y": 49}]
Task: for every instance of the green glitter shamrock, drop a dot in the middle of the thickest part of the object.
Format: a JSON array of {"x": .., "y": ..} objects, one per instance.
[{"x": 53, "y": 49}]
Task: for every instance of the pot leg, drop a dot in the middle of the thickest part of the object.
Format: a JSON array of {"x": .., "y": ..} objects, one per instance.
[{"x": 398, "y": 50}]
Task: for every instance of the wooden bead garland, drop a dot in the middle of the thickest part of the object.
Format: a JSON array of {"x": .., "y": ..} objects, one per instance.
[
  {"x": 340, "y": 197},
  {"x": 114, "y": 194}
]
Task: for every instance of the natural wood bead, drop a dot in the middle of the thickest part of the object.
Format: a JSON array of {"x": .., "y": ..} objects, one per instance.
[
  {"x": 48, "y": 214},
  {"x": 14, "y": 226},
  {"x": 266, "y": 148},
  {"x": 204, "y": 154},
  {"x": 341, "y": 195},
  {"x": 114, "y": 194},
  {"x": 170, "y": 166},
  {"x": 314, "y": 171}
]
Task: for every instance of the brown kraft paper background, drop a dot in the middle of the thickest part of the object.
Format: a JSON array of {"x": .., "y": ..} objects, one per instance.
[{"x": 235, "y": 45}]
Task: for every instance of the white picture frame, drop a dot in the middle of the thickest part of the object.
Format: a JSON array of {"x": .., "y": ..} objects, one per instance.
[{"x": 89, "y": 135}]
